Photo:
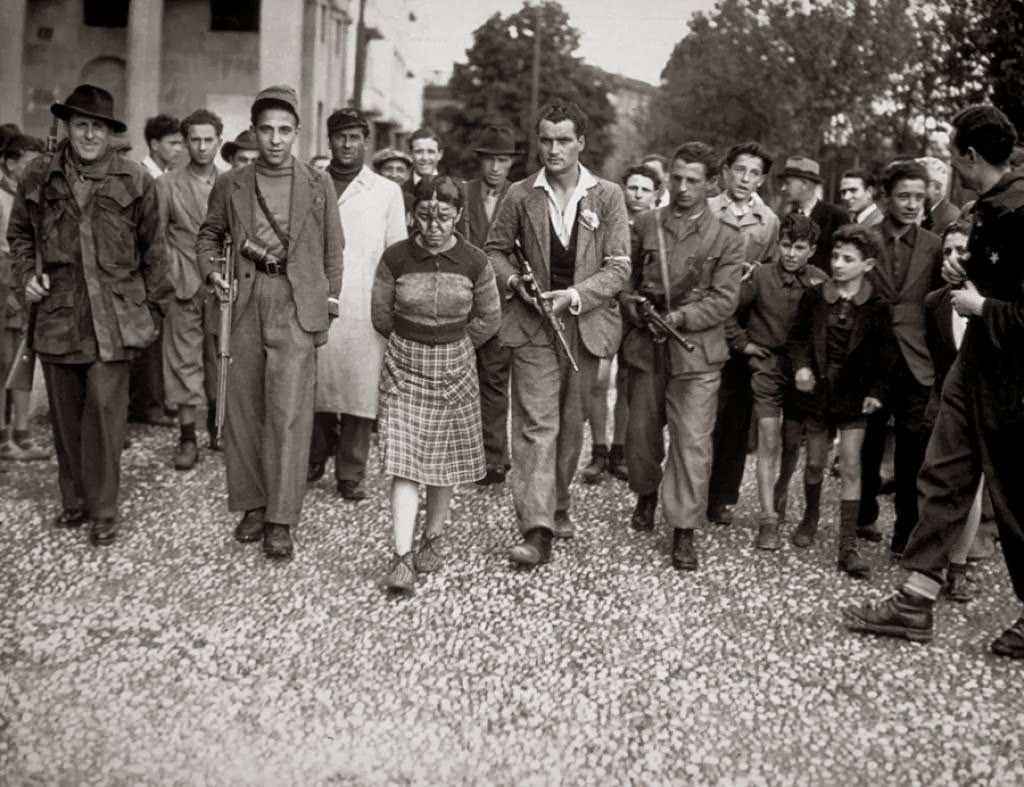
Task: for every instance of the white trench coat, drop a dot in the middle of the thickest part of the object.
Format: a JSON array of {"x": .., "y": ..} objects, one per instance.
[{"x": 372, "y": 213}]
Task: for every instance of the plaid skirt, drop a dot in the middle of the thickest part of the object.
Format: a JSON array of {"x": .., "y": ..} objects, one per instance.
[{"x": 428, "y": 414}]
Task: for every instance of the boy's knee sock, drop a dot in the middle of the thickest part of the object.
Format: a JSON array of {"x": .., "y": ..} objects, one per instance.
[{"x": 812, "y": 503}]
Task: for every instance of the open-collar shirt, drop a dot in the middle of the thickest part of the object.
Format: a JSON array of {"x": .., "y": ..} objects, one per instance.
[{"x": 563, "y": 221}]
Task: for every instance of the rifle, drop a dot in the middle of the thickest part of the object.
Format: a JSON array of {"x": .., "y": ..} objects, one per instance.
[
  {"x": 226, "y": 305},
  {"x": 645, "y": 309},
  {"x": 529, "y": 282},
  {"x": 19, "y": 378}
]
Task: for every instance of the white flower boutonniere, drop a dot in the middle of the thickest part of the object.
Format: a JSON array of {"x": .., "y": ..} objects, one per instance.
[{"x": 589, "y": 220}]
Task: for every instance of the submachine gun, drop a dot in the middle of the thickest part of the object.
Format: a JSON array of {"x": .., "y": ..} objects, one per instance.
[
  {"x": 646, "y": 311},
  {"x": 529, "y": 282}
]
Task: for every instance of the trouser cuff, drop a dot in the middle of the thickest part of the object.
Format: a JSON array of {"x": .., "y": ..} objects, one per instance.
[{"x": 922, "y": 586}]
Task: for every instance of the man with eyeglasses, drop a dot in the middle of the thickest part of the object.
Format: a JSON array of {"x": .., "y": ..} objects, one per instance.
[{"x": 743, "y": 172}]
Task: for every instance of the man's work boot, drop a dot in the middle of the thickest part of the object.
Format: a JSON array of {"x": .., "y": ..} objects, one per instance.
[
  {"x": 849, "y": 559},
  {"x": 315, "y": 471},
  {"x": 900, "y": 615},
  {"x": 870, "y": 532},
  {"x": 720, "y": 515},
  {"x": 617, "y": 463},
  {"x": 958, "y": 586},
  {"x": 352, "y": 490},
  {"x": 1011, "y": 642},
  {"x": 805, "y": 532},
  {"x": 277, "y": 540},
  {"x": 643, "y": 515},
  {"x": 684, "y": 551},
  {"x": 103, "y": 531},
  {"x": 535, "y": 549},
  {"x": 563, "y": 526},
  {"x": 250, "y": 528},
  {"x": 598, "y": 464},
  {"x": 768, "y": 533}
]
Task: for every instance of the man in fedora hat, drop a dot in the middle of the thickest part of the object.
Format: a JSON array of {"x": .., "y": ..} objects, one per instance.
[
  {"x": 800, "y": 181},
  {"x": 495, "y": 151},
  {"x": 282, "y": 217},
  {"x": 372, "y": 214},
  {"x": 242, "y": 151},
  {"x": 93, "y": 218}
]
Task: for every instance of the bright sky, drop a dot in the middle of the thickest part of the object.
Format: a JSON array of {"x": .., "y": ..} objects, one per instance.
[{"x": 630, "y": 37}]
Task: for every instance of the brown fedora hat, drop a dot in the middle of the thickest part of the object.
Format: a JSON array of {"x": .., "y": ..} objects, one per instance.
[
  {"x": 244, "y": 141},
  {"x": 802, "y": 167},
  {"x": 91, "y": 101},
  {"x": 496, "y": 141}
]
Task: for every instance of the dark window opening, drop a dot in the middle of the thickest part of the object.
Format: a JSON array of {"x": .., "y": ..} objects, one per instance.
[
  {"x": 106, "y": 13},
  {"x": 235, "y": 16}
]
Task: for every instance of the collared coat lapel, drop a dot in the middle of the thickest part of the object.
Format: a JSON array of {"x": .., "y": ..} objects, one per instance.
[
  {"x": 585, "y": 236},
  {"x": 304, "y": 196},
  {"x": 919, "y": 266},
  {"x": 536, "y": 204},
  {"x": 243, "y": 201},
  {"x": 360, "y": 183}
]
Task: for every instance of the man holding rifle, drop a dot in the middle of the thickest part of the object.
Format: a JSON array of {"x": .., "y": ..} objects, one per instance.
[
  {"x": 282, "y": 218},
  {"x": 687, "y": 266},
  {"x": 85, "y": 235},
  {"x": 571, "y": 229}
]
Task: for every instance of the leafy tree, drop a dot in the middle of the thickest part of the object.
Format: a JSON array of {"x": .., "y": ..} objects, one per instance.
[
  {"x": 811, "y": 76},
  {"x": 986, "y": 56},
  {"x": 494, "y": 83}
]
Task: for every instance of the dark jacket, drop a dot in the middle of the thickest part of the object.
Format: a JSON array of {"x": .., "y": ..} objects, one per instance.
[
  {"x": 869, "y": 354},
  {"x": 106, "y": 264},
  {"x": 941, "y": 216},
  {"x": 474, "y": 224},
  {"x": 907, "y": 301},
  {"x": 992, "y": 354},
  {"x": 829, "y": 218},
  {"x": 315, "y": 244}
]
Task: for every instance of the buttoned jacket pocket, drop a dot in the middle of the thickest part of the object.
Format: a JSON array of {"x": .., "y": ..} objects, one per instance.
[{"x": 134, "y": 319}]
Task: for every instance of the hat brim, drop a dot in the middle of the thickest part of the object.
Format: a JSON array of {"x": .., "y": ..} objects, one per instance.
[
  {"x": 64, "y": 112},
  {"x": 799, "y": 173},
  {"x": 495, "y": 152}
]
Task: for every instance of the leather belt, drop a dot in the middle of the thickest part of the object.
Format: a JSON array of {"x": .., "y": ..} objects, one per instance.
[{"x": 271, "y": 268}]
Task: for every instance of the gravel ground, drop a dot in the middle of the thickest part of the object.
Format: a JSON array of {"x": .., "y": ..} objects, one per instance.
[{"x": 178, "y": 656}]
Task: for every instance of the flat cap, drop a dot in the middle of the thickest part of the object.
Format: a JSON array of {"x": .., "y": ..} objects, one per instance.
[{"x": 281, "y": 96}]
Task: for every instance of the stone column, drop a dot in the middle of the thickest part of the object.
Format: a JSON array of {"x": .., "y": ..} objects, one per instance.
[
  {"x": 142, "y": 93},
  {"x": 12, "y": 51}
]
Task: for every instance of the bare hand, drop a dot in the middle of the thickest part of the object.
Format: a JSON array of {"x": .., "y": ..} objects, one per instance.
[
  {"x": 220, "y": 284},
  {"x": 517, "y": 284},
  {"x": 804, "y": 380},
  {"x": 871, "y": 405},
  {"x": 560, "y": 300},
  {"x": 37, "y": 288},
  {"x": 953, "y": 272},
  {"x": 756, "y": 350},
  {"x": 968, "y": 302}
]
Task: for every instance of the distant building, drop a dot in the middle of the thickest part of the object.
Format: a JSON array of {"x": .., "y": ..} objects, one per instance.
[
  {"x": 175, "y": 55},
  {"x": 631, "y": 99}
]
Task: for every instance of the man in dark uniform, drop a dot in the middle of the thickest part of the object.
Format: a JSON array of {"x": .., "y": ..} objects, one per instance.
[
  {"x": 282, "y": 216},
  {"x": 980, "y": 423},
  {"x": 94, "y": 218},
  {"x": 495, "y": 150}
]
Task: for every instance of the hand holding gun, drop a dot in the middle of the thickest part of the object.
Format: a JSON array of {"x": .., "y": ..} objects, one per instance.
[
  {"x": 526, "y": 286},
  {"x": 662, "y": 329}
]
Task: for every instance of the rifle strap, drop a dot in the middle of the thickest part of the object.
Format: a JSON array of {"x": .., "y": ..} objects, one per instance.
[
  {"x": 281, "y": 236},
  {"x": 666, "y": 282}
]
